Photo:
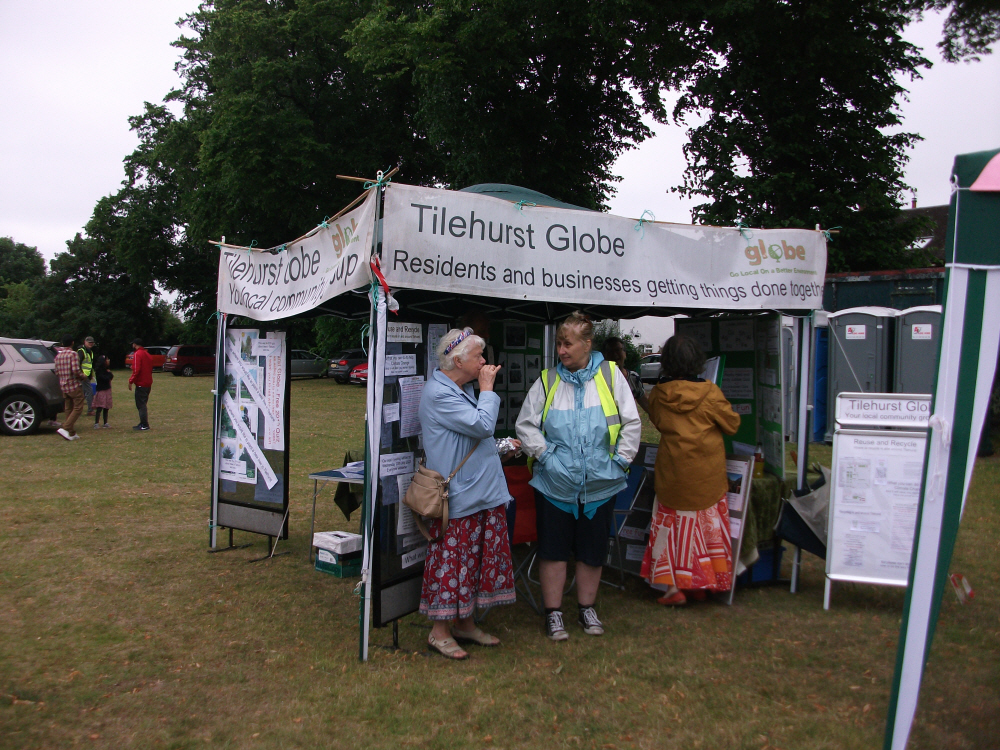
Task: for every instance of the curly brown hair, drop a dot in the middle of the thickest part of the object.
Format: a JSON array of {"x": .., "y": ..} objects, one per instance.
[{"x": 681, "y": 358}]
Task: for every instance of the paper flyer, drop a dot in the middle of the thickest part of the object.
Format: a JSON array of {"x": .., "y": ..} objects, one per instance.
[{"x": 248, "y": 441}]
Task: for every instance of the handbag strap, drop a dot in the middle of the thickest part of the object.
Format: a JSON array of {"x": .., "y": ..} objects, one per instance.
[
  {"x": 467, "y": 457},
  {"x": 444, "y": 507}
]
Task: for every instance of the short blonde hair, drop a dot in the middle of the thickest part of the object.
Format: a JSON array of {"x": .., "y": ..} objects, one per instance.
[
  {"x": 582, "y": 324},
  {"x": 469, "y": 340}
]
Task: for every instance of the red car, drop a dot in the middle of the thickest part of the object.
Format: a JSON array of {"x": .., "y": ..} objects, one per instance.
[
  {"x": 359, "y": 375},
  {"x": 157, "y": 353}
]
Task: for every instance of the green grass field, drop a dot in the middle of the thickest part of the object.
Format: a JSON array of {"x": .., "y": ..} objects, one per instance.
[{"x": 118, "y": 630}]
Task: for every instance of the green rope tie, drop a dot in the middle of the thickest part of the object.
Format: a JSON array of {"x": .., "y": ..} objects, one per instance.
[
  {"x": 323, "y": 224},
  {"x": 520, "y": 205},
  {"x": 826, "y": 233},
  {"x": 212, "y": 317},
  {"x": 642, "y": 220},
  {"x": 366, "y": 330},
  {"x": 745, "y": 232},
  {"x": 379, "y": 182}
]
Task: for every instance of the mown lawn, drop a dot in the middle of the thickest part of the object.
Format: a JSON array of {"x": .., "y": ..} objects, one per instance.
[{"x": 117, "y": 630}]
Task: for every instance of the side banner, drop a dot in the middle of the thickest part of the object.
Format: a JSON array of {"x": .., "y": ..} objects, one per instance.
[
  {"x": 476, "y": 244},
  {"x": 266, "y": 285}
]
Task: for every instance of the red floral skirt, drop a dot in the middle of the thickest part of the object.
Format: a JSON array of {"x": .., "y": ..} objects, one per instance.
[
  {"x": 469, "y": 568},
  {"x": 690, "y": 549}
]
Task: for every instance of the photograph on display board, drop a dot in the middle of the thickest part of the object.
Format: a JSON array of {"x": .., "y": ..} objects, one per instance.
[
  {"x": 532, "y": 368},
  {"x": 515, "y": 372},
  {"x": 515, "y": 336},
  {"x": 514, "y": 402},
  {"x": 502, "y": 412},
  {"x": 500, "y": 383}
]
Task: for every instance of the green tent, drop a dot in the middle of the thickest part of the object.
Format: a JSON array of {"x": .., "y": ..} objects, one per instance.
[{"x": 966, "y": 367}]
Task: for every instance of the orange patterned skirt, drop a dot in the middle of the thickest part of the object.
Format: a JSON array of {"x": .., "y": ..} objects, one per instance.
[{"x": 689, "y": 549}]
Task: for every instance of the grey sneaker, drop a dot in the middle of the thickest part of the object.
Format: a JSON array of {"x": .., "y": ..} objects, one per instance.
[
  {"x": 589, "y": 622},
  {"x": 554, "y": 628},
  {"x": 64, "y": 434}
]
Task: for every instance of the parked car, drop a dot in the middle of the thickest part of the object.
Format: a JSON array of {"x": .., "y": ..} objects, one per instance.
[
  {"x": 308, "y": 365},
  {"x": 157, "y": 353},
  {"x": 29, "y": 386},
  {"x": 359, "y": 375},
  {"x": 649, "y": 368},
  {"x": 343, "y": 363},
  {"x": 188, "y": 360}
]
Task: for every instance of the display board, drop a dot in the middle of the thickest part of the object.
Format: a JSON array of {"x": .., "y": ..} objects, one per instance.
[
  {"x": 634, "y": 524},
  {"x": 771, "y": 392},
  {"x": 400, "y": 548},
  {"x": 739, "y": 470},
  {"x": 517, "y": 347},
  {"x": 251, "y": 452},
  {"x": 733, "y": 338},
  {"x": 874, "y": 497}
]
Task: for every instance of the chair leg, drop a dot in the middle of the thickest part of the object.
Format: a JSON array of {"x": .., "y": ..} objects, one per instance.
[
  {"x": 796, "y": 563},
  {"x": 522, "y": 579}
]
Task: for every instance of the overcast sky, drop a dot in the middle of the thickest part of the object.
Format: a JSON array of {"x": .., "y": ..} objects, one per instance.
[{"x": 71, "y": 73}]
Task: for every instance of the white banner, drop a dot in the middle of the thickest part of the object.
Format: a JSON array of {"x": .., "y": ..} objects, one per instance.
[
  {"x": 330, "y": 261},
  {"x": 444, "y": 240}
]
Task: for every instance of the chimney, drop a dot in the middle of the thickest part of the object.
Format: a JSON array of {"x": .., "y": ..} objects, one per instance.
[{"x": 913, "y": 198}]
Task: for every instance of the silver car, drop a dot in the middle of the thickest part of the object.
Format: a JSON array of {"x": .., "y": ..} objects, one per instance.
[
  {"x": 649, "y": 368},
  {"x": 308, "y": 365},
  {"x": 29, "y": 386}
]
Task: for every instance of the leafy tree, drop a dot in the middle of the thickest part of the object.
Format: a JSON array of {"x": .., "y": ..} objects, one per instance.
[
  {"x": 272, "y": 111},
  {"x": 19, "y": 264},
  {"x": 333, "y": 335},
  {"x": 969, "y": 29},
  {"x": 532, "y": 92},
  {"x": 18, "y": 306},
  {"x": 89, "y": 293},
  {"x": 798, "y": 97}
]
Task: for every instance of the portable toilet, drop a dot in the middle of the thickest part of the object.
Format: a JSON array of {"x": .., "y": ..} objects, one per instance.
[
  {"x": 917, "y": 332},
  {"x": 860, "y": 354}
]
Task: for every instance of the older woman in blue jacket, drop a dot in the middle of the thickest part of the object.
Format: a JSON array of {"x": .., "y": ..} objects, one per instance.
[
  {"x": 580, "y": 424},
  {"x": 470, "y": 565}
]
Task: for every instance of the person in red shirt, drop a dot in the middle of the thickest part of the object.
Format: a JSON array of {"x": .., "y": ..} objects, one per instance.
[{"x": 142, "y": 378}]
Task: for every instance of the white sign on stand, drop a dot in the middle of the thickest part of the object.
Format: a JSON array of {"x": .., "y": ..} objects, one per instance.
[
  {"x": 908, "y": 410},
  {"x": 875, "y": 488}
]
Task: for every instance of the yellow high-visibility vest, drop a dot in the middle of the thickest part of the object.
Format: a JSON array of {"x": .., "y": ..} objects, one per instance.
[
  {"x": 88, "y": 361},
  {"x": 604, "y": 379}
]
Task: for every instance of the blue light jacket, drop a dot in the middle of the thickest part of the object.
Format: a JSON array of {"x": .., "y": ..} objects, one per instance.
[
  {"x": 452, "y": 422},
  {"x": 575, "y": 463}
]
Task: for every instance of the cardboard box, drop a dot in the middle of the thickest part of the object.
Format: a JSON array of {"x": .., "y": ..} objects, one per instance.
[
  {"x": 339, "y": 542},
  {"x": 341, "y": 566}
]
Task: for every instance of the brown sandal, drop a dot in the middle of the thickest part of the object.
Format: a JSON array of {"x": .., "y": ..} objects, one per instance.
[
  {"x": 476, "y": 635},
  {"x": 447, "y": 647}
]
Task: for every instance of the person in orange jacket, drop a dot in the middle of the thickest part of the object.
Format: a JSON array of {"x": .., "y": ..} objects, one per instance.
[{"x": 689, "y": 551}]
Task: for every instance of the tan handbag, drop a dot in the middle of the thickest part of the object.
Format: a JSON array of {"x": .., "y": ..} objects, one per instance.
[{"x": 427, "y": 496}]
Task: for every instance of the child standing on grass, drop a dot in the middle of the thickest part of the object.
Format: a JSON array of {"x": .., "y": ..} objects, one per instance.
[{"x": 102, "y": 398}]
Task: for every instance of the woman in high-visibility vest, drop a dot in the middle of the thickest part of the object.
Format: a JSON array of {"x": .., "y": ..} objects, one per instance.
[
  {"x": 689, "y": 551},
  {"x": 580, "y": 424}
]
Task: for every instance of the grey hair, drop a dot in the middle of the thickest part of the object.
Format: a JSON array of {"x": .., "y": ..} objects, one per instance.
[{"x": 447, "y": 361}]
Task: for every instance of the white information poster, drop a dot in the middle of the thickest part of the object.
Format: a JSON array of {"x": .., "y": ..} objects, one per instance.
[
  {"x": 274, "y": 390},
  {"x": 874, "y": 494}
]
